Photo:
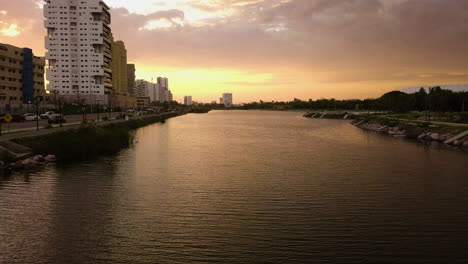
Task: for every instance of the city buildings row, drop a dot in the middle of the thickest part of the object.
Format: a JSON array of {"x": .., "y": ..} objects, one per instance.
[
  {"x": 226, "y": 100},
  {"x": 83, "y": 62},
  {"x": 156, "y": 92}
]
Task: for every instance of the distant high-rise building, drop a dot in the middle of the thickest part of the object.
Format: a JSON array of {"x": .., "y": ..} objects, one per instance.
[
  {"x": 119, "y": 67},
  {"x": 188, "y": 100},
  {"x": 153, "y": 93},
  {"x": 21, "y": 76},
  {"x": 147, "y": 89},
  {"x": 227, "y": 99},
  {"x": 142, "y": 88},
  {"x": 165, "y": 95},
  {"x": 78, "y": 46},
  {"x": 131, "y": 78}
]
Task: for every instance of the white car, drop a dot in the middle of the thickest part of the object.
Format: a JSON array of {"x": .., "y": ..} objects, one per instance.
[
  {"x": 30, "y": 117},
  {"x": 48, "y": 115}
]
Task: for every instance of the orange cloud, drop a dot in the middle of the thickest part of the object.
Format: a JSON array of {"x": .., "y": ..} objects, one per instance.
[{"x": 307, "y": 48}]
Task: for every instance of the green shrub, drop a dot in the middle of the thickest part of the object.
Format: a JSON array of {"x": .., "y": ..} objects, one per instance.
[{"x": 88, "y": 140}]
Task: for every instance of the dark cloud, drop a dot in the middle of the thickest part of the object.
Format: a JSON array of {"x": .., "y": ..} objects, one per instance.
[{"x": 319, "y": 34}]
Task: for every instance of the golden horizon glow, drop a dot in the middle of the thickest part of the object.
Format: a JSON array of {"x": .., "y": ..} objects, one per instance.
[{"x": 276, "y": 49}]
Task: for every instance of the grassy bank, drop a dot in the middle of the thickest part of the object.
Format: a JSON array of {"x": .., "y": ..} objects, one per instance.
[{"x": 89, "y": 140}]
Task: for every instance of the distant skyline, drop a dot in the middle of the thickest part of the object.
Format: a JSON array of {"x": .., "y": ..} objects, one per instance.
[{"x": 277, "y": 49}]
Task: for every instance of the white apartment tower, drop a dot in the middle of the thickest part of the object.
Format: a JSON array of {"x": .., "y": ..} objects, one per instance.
[
  {"x": 227, "y": 99},
  {"x": 147, "y": 89},
  {"x": 78, "y": 47},
  {"x": 188, "y": 100}
]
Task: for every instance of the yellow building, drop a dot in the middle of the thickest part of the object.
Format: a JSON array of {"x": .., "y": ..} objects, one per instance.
[
  {"x": 21, "y": 77},
  {"x": 119, "y": 68}
]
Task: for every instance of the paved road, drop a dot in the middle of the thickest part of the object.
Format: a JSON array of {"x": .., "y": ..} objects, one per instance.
[
  {"x": 32, "y": 131},
  {"x": 31, "y": 125}
]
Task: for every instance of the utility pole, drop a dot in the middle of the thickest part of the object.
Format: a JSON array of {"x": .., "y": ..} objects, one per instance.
[
  {"x": 97, "y": 106},
  {"x": 60, "y": 110},
  {"x": 37, "y": 113},
  {"x": 429, "y": 107},
  {"x": 55, "y": 99}
]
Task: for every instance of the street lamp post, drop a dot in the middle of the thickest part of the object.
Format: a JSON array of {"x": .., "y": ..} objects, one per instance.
[
  {"x": 60, "y": 110},
  {"x": 37, "y": 114},
  {"x": 98, "y": 110}
]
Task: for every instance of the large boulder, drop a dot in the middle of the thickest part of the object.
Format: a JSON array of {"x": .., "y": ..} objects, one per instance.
[
  {"x": 30, "y": 163},
  {"x": 444, "y": 137},
  {"x": 38, "y": 158},
  {"x": 435, "y": 136},
  {"x": 17, "y": 165},
  {"x": 50, "y": 158}
]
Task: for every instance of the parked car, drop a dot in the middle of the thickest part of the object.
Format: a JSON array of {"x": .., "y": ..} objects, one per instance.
[
  {"x": 56, "y": 120},
  {"x": 18, "y": 118},
  {"x": 30, "y": 117},
  {"x": 48, "y": 115}
]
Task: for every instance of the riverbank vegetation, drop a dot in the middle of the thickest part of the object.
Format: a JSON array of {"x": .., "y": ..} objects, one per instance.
[
  {"x": 435, "y": 100},
  {"x": 89, "y": 140}
]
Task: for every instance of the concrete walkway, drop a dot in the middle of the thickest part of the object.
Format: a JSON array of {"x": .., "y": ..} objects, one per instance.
[{"x": 32, "y": 131}]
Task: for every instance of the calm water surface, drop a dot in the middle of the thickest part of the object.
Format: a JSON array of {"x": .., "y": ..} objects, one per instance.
[{"x": 243, "y": 187}]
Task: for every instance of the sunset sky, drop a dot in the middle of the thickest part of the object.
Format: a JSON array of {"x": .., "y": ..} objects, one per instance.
[{"x": 278, "y": 49}]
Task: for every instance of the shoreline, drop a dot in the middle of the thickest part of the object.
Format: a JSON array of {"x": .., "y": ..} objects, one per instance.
[
  {"x": 454, "y": 135},
  {"x": 78, "y": 143},
  {"x": 425, "y": 133}
]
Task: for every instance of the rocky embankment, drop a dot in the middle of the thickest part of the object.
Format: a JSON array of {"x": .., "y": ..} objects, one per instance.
[
  {"x": 437, "y": 137},
  {"x": 425, "y": 135},
  {"x": 30, "y": 163},
  {"x": 329, "y": 115},
  {"x": 394, "y": 131}
]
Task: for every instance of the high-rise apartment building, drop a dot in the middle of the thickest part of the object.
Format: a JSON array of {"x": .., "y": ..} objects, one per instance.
[
  {"x": 78, "y": 47},
  {"x": 165, "y": 95},
  {"x": 188, "y": 100},
  {"x": 21, "y": 76},
  {"x": 119, "y": 67},
  {"x": 131, "y": 78},
  {"x": 227, "y": 99},
  {"x": 141, "y": 88},
  {"x": 147, "y": 89},
  {"x": 154, "y": 93},
  {"x": 157, "y": 92}
]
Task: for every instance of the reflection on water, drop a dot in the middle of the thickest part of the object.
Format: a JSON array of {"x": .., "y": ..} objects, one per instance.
[{"x": 243, "y": 187}]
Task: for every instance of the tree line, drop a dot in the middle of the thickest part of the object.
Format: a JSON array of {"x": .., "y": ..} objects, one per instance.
[{"x": 435, "y": 100}]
